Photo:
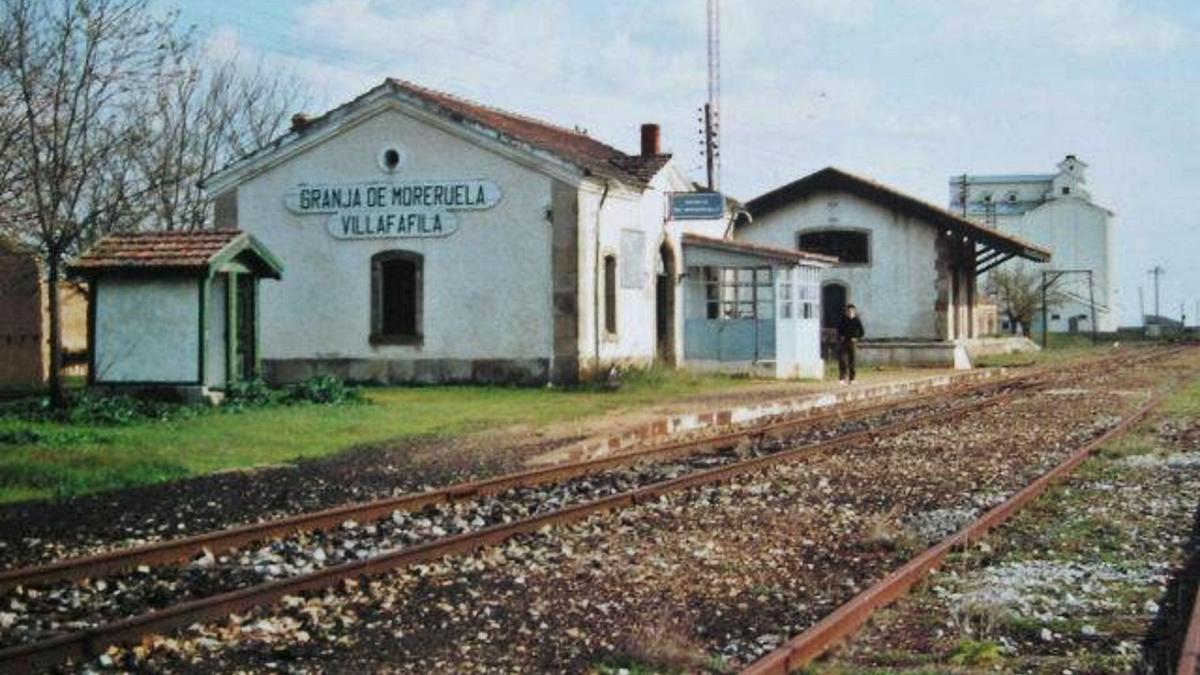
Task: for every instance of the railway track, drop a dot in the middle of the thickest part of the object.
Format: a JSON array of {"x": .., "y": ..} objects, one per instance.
[
  {"x": 91, "y": 640},
  {"x": 848, "y": 618},
  {"x": 1189, "y": 653},
  {"x": 185, "y": 549}
]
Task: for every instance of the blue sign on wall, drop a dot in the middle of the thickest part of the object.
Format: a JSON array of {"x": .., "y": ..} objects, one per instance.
[{"x": 697, "y": 205}]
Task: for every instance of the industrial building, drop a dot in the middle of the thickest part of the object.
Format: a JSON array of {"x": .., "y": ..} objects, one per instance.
[
  {"x": 1056, "y": 211},
  {"x": 420, "y": 237}
]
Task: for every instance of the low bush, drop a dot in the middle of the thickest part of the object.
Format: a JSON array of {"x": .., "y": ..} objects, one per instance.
[
  {"x": 324, "y": 390},
  {"x": 249, "y": 394},
  {"x": 108, "y": 410}
]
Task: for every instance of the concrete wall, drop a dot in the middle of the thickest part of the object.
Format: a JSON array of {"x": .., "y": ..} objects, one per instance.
[
  {"x": 897, "y": 291},
  {"x": 147, "y": 330},
  {"x": 487, "y": 287},
  {"x": 1080, "y": 235}
]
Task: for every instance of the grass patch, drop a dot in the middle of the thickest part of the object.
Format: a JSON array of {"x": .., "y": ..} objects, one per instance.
[
  {"x": 46, "y": 459},
  {"x": 976, "y": 653}
]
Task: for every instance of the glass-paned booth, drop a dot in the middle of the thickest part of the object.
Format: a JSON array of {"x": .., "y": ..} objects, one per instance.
[{"x": 751, "y": 309}]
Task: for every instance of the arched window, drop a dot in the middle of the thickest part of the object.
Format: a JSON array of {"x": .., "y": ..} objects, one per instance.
[
  {"x": 852, "y": 247},
  {"x": 397, "y": 303}
]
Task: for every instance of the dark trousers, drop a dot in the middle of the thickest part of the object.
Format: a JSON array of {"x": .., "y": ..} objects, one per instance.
[{"x": 846, "y": 360}]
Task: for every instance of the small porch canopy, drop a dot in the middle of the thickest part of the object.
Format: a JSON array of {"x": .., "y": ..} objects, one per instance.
[
  {"x": 174, "y": 310},
  {"x": 752, "y": 308}
]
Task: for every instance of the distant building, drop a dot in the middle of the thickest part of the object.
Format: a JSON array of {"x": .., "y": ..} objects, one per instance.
[
  {"x": 1054, "y": 210},
  {"x": 909, "y": 266},
  {"x": 25, "y": 323}
]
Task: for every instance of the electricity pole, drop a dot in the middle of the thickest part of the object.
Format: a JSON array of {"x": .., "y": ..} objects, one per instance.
[
  {"x": 1157, "y": 271},
  {"x": 712, "y": 109}
]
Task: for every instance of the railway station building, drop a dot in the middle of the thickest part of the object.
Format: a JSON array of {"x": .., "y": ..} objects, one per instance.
[
  {"x": 910, "y": 267},
  {"x": 421, "y": 237}
]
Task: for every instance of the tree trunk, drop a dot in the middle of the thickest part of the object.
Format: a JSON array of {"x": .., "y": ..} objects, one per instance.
[{"x": 53, "y": 275}]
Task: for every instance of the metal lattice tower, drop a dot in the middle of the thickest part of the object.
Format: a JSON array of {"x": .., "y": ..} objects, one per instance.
[{"x": 712, "y": 109}]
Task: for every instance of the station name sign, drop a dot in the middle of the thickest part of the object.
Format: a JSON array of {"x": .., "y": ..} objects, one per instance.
[
  {"x": 697, "y": 205},
  {"x": 388, "y": 209}
]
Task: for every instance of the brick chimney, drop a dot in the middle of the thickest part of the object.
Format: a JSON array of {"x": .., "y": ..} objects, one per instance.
[
  {"x": 651, "y": 140},
  {"x": 300, "y": 120}
]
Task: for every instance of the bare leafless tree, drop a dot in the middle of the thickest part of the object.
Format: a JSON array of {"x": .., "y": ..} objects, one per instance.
[
  {"x": 1018, "y": 294},
  {"x": 77, "y": 70},
  {"x": 204, "y": 117},
  {"x": 109, "y": 118}
]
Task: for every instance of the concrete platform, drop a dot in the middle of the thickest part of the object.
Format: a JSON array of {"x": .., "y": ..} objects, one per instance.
[{"x": 714, "y": 419}]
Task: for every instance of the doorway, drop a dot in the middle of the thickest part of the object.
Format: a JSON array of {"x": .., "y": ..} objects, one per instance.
[
  {"x": 833, "y": 305},
  {"x": 664, "y": 305},
  {"x": 833, "y": 308},
  {"x": 245, "y": 328}
]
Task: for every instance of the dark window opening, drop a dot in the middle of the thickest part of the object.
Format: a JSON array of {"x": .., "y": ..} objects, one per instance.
[
  {"x": 610, "y": 294},
  {"x": 1066, "y": 191},
  {"x": 850, "y": 246},
  {"x": 396, "y": 297},
  {"x": 391, "y": 158}
]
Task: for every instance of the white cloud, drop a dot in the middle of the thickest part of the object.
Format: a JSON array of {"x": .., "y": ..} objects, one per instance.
[{"x": 1083, "y": 27}]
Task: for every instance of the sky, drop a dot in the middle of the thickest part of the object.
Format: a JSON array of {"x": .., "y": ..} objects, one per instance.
[{"x": 907, "y": 92}]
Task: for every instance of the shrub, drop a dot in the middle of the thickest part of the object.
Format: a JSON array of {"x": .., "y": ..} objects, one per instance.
[
  {"x": 248, "y": 394},
  {"x": 322, "y": 389},
  {"x": 104, "y": 410}
]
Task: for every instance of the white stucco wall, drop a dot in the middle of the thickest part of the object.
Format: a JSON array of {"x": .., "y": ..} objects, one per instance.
[
  {"x": 486, "y": 287},
  {"x": 896, "y": 291},
  {"x": 608, "y": 216},
  {"x": 1080, "y": 235},
  {"x": 147, "y": 330}
]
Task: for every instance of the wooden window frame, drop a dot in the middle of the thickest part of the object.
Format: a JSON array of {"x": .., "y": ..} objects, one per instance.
[
  {"x": 611, "y": 291},
  {"x": 377, "y": 336}
]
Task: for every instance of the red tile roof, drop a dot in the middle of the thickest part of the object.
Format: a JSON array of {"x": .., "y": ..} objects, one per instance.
[
  {"x": 179, "y": 252},
  {"x": 574, "y": 146},
  {"x": 757, "y": 250},
  {"x": 570, "y": 145},
  {"x": 831, "y": 178}
]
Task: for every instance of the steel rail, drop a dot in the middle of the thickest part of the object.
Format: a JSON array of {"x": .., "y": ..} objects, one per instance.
[
  {"x": 181, "y": 550},
  {"x": 850, "y": 616},
  {"x": 1189, "y": 652},
  {"x": 83, "y": 644}
]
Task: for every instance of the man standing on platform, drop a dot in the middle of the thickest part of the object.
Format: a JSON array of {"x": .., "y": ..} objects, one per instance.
[{"x": 850, "y": 331}]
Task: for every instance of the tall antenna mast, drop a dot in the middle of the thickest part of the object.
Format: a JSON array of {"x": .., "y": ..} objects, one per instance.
[{"x": 712, "y": 109}]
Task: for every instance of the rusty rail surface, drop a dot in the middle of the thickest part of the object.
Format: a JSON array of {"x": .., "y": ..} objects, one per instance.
[
  {"x": 181, "y": 550},
  {"x": 1189, "y": 653},
  {"x": 38, "y": 656},
  {"x": 87, "y": 643},
  {"x": 849, "y": 617}
]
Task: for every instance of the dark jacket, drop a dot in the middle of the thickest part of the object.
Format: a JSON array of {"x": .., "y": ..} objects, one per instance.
[{"x": 849, "y": 329}]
